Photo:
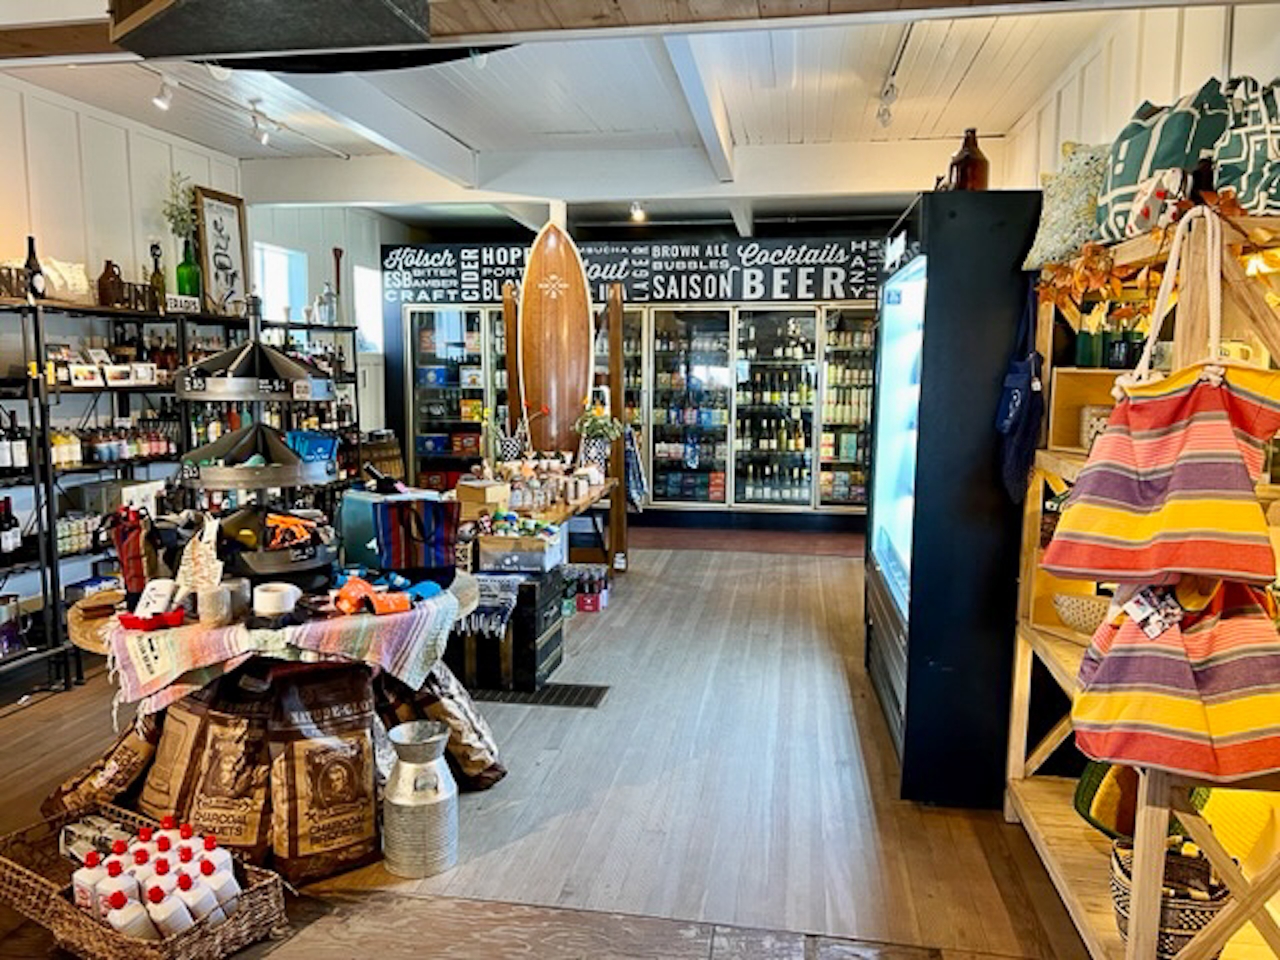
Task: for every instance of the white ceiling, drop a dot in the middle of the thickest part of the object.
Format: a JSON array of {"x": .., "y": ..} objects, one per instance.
[{"x": 127, "y": 88}]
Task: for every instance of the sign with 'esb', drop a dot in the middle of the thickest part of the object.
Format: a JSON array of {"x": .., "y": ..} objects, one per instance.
[{"x": 650, "y": 271}]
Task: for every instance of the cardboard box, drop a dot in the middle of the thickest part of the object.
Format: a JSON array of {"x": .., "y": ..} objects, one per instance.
[
  {"x": 471, "y": 377},
  {"x": 467, "y": 444},
  {"x": 472, "y": 410},
  {"x": 433, "y": 443},
  {"x": 521, "y": 554},
  {"x": 484, "y": 491},
  {"x": 433, "y": 375},
  {"x": 588, "y": 603}
]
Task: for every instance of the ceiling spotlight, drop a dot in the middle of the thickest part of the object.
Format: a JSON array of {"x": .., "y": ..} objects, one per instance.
[
  {"x": 218, "y": 72},
  {"x": 637, "y": 212},
  {"x": 260, "y": 131},
  {"x": 479, "y": 58},
  {"x": 889, "y": 94},
  {"x": 884, "y": 115},
  {"x": 164, "y": 98}
]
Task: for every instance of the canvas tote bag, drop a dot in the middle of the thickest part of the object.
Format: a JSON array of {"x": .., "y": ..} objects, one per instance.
[{"x": 1169, "y": 486}]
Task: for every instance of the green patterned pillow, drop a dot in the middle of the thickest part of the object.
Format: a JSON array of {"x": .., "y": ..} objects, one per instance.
[
  {"x": 1247, "y": 156},
  {"x": 1158, "y": 138},
  {"x": 1068, "y": 214}
]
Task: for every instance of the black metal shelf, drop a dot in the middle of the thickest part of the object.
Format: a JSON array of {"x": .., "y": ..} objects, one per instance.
[{"x": 99, "y": 466}]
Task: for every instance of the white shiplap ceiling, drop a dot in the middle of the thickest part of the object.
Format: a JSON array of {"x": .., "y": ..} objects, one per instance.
[
  {"x": 813, "y": 85},
  {"x": 127, "y": 88}
]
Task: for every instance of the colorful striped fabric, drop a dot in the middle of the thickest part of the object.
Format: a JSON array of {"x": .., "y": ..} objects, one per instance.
[
  {"x": 1202, "y": 698},
  {"x": 1169, "y": 486}
]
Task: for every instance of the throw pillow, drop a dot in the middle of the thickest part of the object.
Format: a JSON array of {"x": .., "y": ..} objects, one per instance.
[
  {"x": 1067, "y": 216},
  {"x": 1156, "y": 139},
  {"x": 1247, "y": 157}
]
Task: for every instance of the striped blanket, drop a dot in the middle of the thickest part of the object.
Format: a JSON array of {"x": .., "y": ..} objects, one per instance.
[
  {"x": 498, "y": 595},
  {"x": 160, "y": 667}
]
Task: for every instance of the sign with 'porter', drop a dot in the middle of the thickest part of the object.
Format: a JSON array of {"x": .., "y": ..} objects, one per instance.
[{"x": 650, "y": 271}]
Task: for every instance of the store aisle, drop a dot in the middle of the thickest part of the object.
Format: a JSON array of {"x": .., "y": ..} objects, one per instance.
[{"x": 738, "y": 772}]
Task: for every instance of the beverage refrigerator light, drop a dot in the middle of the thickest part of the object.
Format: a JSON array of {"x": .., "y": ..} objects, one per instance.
[
  {"x": 943, "y": 535},
  {"x": 691, "y": 405},
  {"x": 776, "y": 374}
]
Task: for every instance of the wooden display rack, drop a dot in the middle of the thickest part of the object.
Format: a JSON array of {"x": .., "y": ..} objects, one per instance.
[{"x": 1077, "y": 856}]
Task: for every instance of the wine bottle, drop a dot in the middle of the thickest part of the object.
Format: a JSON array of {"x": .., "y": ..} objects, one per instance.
[
  {"x": 157, "y": 277},
  {"x": 35, "y": 276},
  {"x": 6, "y": 448},
  {"x": 10, "y": 529},
  {"x": 19, "y": 443}
]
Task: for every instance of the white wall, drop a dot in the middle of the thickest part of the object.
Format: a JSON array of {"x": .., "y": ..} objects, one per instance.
[
  {"x": 1156, "y": 55},
  {"x": 89, "y": 185}
]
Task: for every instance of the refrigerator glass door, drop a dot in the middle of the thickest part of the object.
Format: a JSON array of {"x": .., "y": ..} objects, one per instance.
[
  {"x": 690, "y": 407},
  {"x": 777, "y": 385},
  {"x": 896, "y": 427},
  {"x": 498, "y": 399},
  {"x": 847, "y": 381},
  {"x": 447, "y": 408}
]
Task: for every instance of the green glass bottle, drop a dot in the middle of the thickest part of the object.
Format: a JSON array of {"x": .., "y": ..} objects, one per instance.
[{"x": 188, "y": 273}]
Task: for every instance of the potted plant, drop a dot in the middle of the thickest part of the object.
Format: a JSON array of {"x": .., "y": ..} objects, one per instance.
[
  {"x": 180, "y": 211},
  {"x": 598, "y": 430}
]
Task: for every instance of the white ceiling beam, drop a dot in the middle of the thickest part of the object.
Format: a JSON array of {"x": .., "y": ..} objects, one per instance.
[
  {"x": 532, "y": 215},
  {"x": 25, "y": 13},
  {"x": 705, "y": 103},
  {"x": 377, "y": 117},
  {"x": 744, "y": 217}
]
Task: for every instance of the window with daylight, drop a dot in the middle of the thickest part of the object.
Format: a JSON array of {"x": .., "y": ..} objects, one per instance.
[
  {"x": 282, "y": 280},
  {"x": 368, "y": 303}
]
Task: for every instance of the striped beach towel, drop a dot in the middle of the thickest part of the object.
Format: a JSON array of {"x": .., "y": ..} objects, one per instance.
[
  {"x": 1202, "y": 698},
  {"x": 1169, "y": 486}
]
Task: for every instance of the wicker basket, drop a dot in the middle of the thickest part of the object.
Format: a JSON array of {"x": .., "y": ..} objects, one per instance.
[
  {"x": 35, "y": 880},
  {"x": 1182, "y": 915},
  {"x": 1082, "y": 613}
]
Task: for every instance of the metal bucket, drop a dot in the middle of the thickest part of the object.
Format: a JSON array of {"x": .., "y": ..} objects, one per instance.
[{"x": 420, "y": 806}]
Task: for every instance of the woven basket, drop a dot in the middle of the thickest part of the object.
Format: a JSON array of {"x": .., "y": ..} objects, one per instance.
[
  {"x": 1082, "y": 613},
  {"x": 35, "y": 880},
  {"x": 86, "y": 627},
  {"x": 1182, "y": 916}
]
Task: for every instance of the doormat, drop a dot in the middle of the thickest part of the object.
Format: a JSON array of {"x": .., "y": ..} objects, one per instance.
[{"x": 552, "y": 695}]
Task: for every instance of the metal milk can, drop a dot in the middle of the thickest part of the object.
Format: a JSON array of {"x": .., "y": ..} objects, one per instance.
[{"x": 420, "y": 805}]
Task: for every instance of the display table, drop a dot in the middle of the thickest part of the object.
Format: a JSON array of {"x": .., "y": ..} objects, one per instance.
[
  {"x": 159, "y": 667},
  {"x": 562, "y": 513}
]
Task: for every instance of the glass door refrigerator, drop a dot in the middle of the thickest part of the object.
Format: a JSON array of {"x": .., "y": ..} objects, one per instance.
[
  {"x": 446, "y": 405},
  {"x": 692, "y": 400},
  {"x": 848, "y": 379},
  {"x": 497, "y": 398},
  {"x": 632, "y": 414},
  {"x": 776, "y": 375},
  {"x": 943, "y": 535}
]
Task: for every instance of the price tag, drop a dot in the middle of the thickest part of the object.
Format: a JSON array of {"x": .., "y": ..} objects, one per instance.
[
  {"x": 305, "y": 552},
  {"x": 189, "y": 471},
  {"x": 302, "y": 389},
  {"x": 268, "y": 385},
  {"x": 193, "y": 383}
]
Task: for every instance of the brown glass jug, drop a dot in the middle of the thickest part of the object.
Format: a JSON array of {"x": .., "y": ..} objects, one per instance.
[
  {"x": 970, "y": 168},
  {"x": 110, "y": 286}
]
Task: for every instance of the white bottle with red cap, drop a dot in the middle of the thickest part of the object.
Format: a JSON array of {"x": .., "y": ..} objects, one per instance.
[
  {"x": 120, "y": 854},
  {"x": 219, "y": 856},
  {"x": 200, "y": 900},
  {"x": 168, "y": 913},
  {"x": 224, "y": 886},
  {"x": 169, "y": 828},
  {"x": 85, "y": 881},
  {"x": 188, "y": 861},
  {"x": 116, "y": 881},
  {"x": 131, "y": 918},
  {"x": 145, "y": 841},
  {"x": 143, "y": 867},
  {"x": 187, "y": 840},
  {"x": 165, "y": 848},
  {"x": 163, "y": 877}
]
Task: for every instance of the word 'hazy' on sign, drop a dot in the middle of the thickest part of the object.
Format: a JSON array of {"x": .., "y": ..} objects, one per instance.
[{"x": 649, "y": 271}]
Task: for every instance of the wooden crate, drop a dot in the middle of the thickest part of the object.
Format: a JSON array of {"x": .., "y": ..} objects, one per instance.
[{"x": 1071, "y": 389}]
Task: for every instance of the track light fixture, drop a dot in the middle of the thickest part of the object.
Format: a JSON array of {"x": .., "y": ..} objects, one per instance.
[
  {"x": 884, "y": 115},
  {"x": 164, "y": 97},
  {"x": 637, "y": 212}
]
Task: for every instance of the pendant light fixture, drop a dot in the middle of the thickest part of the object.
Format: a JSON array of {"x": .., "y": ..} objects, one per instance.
[{"x": 163, "y": 99}]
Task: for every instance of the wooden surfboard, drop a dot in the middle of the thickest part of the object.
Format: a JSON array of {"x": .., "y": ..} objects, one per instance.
[{"x": 555, "y": 338}]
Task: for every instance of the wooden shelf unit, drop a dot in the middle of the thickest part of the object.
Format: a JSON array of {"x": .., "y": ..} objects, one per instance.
[{"x": 1075, "y": 855}]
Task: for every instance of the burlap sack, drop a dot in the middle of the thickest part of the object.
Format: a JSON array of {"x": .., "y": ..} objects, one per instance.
[
  {"x": 172, "y": 778},
  {"x": 231, "y": 797},
  {"x": 110, "y": 776},
  {"x": 323, "y": 805}
]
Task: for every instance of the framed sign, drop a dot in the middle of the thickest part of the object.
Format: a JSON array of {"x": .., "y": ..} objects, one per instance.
[{"x": 224, "y": 251}]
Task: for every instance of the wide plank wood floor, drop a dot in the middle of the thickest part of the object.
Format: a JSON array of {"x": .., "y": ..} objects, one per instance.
[{"x": 737, "y": 775}]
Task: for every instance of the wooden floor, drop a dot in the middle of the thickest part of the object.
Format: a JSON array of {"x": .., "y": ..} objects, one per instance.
[
  {"x": 807, "y": 543},
  {"x": 737, "y": 775}
]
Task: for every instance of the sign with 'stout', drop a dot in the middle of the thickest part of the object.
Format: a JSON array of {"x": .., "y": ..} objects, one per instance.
[{"x": 650, "y": 271}]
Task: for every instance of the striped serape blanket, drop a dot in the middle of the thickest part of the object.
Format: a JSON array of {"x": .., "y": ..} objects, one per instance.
[
  {"x": 498, "y": 595},
  {"x": 158, "y": 667}
]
